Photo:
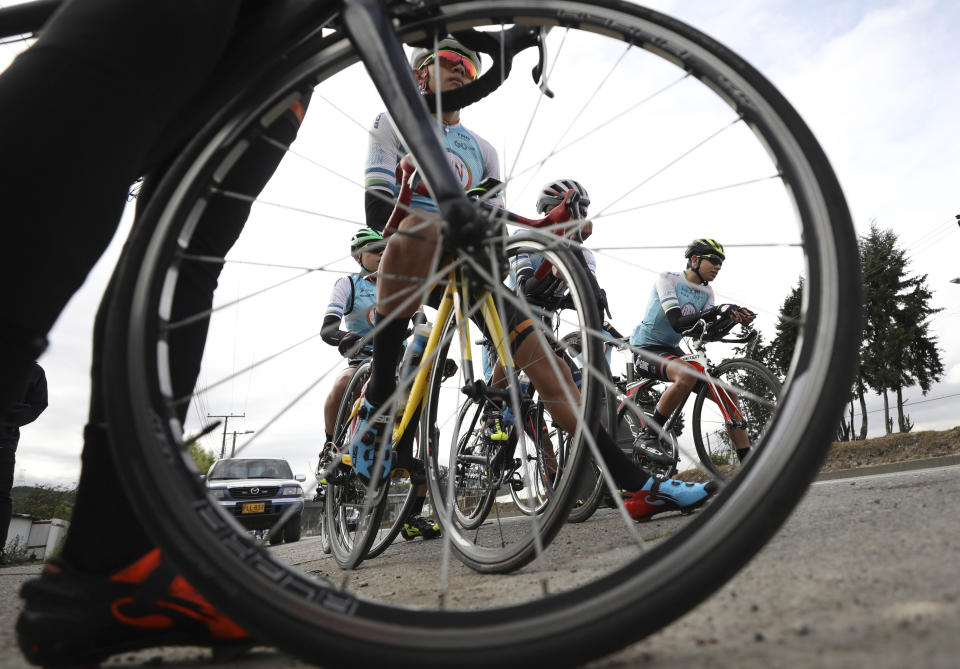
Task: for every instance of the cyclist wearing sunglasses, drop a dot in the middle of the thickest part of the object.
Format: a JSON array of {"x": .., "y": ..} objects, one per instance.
[
  {"x": 677, "y": 303},
  {"x": 415, "y": 249}
]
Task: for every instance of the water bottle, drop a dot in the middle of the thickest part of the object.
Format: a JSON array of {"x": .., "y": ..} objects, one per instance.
[{"x": 421, "y": 333}]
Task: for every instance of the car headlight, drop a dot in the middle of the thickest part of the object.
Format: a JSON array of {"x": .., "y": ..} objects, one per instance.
[
  {"x": 291, "y": 491},
  {"x": 217, "y": 493}
]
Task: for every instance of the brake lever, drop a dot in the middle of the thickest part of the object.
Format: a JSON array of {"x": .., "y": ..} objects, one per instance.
[{"x": 540, "y": 69}]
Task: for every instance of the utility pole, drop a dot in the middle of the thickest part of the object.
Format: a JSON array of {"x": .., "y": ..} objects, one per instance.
[
  {"x": 226, "y": 418},
  {"x": 233, "y": 448}
]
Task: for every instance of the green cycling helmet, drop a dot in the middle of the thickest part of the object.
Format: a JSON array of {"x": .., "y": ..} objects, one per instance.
[{"x": 364, "y": 237}]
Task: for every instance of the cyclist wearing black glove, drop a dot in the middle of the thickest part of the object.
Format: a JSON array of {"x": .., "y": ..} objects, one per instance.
[
  {"x": 353, "y": 302},
  {"x": 679, "y": 302}
]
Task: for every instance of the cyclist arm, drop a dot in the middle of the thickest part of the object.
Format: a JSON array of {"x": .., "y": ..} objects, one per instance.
[
  {"x": 384, "y": 152},
  {"x": 330, "y": 331}
]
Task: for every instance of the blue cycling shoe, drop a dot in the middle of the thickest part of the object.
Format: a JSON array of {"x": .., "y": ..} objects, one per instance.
[
  {"x": 372, "y": 432},
  {"x": 670, "y": 495}
]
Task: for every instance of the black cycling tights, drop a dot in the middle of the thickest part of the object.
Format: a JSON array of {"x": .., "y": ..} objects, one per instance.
[{"x": 79, "y": 113}]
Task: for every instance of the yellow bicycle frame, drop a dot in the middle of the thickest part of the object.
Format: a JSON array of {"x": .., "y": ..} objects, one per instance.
[{"x": 455, "y": 297}]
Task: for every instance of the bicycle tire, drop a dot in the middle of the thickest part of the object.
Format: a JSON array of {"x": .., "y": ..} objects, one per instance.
[
  {"x": 753, "y": 411},
  {"x": 496, "y": 555},
  {"x": 318, "y": 621},
  {"x": 587, "y": 504},
  {"x": 349, "y": 498},
  {"x": 476, "y": 490},
  {"x": 537, "y": 459}
]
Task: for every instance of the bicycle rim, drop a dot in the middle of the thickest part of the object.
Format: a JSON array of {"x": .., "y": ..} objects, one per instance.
[
  {"x": 757, "y": 406},
  {"x": 583, "y": 614}
]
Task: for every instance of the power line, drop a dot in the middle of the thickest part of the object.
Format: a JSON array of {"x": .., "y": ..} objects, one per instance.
[{"x": 910, "y": 404}]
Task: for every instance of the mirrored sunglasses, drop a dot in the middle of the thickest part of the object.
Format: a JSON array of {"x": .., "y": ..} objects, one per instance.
[{"x": 451, "y": 59}]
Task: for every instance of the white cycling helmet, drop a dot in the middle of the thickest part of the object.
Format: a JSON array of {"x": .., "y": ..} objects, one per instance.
[
  {"x": 553, "y": 193},
  {"x": 448, "y": 43}
]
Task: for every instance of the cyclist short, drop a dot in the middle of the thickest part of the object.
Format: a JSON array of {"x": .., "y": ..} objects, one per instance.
[
  {"x": 519, "y": 327},
  {"x": 656, "y": 369}
]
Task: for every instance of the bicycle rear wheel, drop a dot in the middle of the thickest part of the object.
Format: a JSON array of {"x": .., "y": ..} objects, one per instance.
[
  {"x": 478, "y": 468},
  {"x": 552, "y": 611}
]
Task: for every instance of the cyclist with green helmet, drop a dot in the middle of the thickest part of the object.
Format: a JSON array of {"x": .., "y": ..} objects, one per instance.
[
  {"x": 679, "y": 300},
  {"x": 353, "y": 302}
]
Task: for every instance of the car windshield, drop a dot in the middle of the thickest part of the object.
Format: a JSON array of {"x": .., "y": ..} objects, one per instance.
[{"x": 250, "y": 469}]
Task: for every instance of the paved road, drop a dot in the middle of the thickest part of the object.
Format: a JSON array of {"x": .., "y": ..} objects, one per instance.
[{"x": 866, "y": 573}]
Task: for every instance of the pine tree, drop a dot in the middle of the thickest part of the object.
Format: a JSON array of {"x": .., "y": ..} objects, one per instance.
[
  {"x": 898, "y": 350},
  {"x": 780, "y": 352}
]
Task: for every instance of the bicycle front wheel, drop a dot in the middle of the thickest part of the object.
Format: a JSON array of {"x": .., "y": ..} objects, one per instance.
[
  {"x": 748, "y": 391},
  {"x": 353, "y": 512},
  {"x": 691, "y": 106},
  {"x": 533, "y": 471}
]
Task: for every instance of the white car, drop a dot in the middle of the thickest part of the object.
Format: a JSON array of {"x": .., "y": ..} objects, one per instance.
[{"x": 257, "y": 492}]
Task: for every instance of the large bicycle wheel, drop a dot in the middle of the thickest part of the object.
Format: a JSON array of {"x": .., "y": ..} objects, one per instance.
[
  {"x": 754, "y": 405},
  {"x": 690, "y": 106},
  {"x": 506, "y": 543}
]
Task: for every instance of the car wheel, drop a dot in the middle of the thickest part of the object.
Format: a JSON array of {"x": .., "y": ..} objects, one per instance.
[{"x": 291, "y": 531}]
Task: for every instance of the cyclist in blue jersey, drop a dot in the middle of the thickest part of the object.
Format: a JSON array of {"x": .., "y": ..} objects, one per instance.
[
  {"x": 415, "y": 249},
  {"x": 353, "y": 302},
  {"x": 678, "y": 301}
]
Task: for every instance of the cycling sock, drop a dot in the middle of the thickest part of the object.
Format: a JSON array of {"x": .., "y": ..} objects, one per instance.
[
  {"x": 328, "y": 436},
  {"x": 626, "y": 473},
  {"x": 742, "y": 453},
  {"x": 659, "y": 417},
  {"x": 417, "y": 507},
  {"x": 387, "y": 347}
]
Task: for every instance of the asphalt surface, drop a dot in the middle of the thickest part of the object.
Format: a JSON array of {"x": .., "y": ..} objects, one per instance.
[{"x": 865, "y": 573}]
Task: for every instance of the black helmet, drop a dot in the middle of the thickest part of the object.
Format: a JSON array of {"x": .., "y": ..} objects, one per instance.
[
  {"x": 704, "y": 247},
  {"x": 554, "y": 192}
]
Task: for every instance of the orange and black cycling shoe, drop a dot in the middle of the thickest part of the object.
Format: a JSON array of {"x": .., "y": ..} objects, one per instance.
[{"x": 79, "y": 619}]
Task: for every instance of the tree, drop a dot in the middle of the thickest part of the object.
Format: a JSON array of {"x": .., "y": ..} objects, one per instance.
[
  {"x": 45, "y": 501},
  {"x": 898, "y": 350},
  {"x": 920, "y": 362},
  {"x": 202, "y": 457},
  {"x": 780, "y": 352}
]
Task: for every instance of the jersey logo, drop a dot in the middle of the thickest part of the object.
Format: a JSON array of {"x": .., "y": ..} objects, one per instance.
[{"x": 462, "y": 169}]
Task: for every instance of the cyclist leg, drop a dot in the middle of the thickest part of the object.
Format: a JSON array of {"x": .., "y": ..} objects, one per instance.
[
  {"x": 99, "y": 545},
  {"x": 332, "y": 404},
  {"x": 78, "y": 112},
  {"x": 410, "y": 254},
  {"x": 406, "y": 262}
]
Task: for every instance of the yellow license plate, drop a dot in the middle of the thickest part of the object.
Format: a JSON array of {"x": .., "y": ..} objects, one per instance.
[{"x": 254, "y": 507}]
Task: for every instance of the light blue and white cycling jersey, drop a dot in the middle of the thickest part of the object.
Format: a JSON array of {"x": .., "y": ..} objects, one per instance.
[
  {"x": 530, "y": 261},
  {"x": 473, "y": 159},
  {"x": 354, "y": 299},
  {"x": 671, "y": 291}
]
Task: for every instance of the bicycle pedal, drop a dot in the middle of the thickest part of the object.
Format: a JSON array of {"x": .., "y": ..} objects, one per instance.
[
  {"x": 400, "y": 473},
  {"x": 516, "y": 482}
]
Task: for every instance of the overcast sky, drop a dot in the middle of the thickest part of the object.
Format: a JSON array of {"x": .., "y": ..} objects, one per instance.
[{"x": 877, "y": 82}]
